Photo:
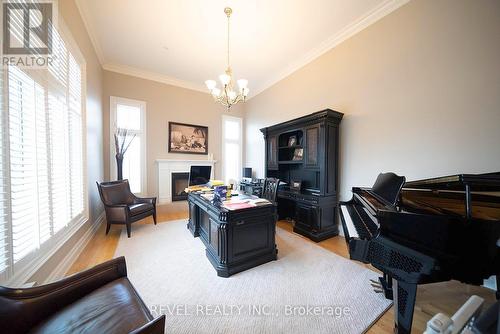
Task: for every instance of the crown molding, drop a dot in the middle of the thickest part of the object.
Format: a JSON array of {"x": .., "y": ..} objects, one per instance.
[
  {"x": 350, "y": 30},
  {"x": 83, "y": 9},
  {"x": 153, "y": 76}
]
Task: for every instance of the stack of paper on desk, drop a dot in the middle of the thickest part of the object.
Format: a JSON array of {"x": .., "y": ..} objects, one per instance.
[{"x": 237, "y": 204}]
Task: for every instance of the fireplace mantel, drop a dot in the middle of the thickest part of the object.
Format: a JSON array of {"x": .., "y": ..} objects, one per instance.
[{"x": 166, "y": 167}]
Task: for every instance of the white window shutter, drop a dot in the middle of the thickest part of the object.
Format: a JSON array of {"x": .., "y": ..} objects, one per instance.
[{"x": 41, "y": 157}]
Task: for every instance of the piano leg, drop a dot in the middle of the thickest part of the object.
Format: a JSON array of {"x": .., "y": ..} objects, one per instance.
[
  {"x": 404, "y": 304},
  {"x": 386, "y": 283}
]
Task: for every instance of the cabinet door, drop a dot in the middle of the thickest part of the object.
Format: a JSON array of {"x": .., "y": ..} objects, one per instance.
[
  {"x": 307, "y": 216},
  {"x": 312, "y": 154},
  {"x": 204, "y": 226},
  {"x": 272, "y": 152},
  {"x": 193, "y": 212}
]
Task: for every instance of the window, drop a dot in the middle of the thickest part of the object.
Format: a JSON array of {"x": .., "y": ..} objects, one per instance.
[
  {"x": 231, "y": 148},
  {"x": 131, "y": 115},
  {"x": 42, "y": 191}
]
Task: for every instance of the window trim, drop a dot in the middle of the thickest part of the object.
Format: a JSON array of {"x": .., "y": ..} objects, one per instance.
[
  {"x": 113, "y": 102},
  {"x": 18, "y": 274},
  {"x": 223, "y": 141}
]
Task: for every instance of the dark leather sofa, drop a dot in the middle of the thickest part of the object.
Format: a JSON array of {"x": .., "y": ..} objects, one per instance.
[
  {"x": 98, "y": 300},
  {"x": 122, "y": 206}
]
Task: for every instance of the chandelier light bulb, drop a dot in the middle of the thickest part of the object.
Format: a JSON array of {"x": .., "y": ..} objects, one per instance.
[
  {"x": 224, "y": 79},
  {"x": 215, "y": 92},
  {"x": 245, "y": 92},
  {"x": 210, "y": 84},
  {"x": 242, "y": 83}
]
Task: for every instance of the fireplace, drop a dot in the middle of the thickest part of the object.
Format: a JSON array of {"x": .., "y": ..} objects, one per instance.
[
  {"x": 179, "y": 183},
  {"x": 167, "y": 167}
]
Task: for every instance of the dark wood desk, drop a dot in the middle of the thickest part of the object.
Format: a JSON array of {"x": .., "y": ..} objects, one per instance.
[{"x": 235, "y": 240}]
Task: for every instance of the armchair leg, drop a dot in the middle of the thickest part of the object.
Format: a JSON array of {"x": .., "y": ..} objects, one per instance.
[
  {"x": 108, "y": 225},
  {"x": 129, "y": 227},
  {"x": 154, "y": 217}
]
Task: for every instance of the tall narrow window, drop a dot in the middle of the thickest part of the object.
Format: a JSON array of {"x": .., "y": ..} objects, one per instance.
[
  {"x": 42, "y": 192},
  {"x": 231, "y": 148},
  {"x": 130, "y": 115}
]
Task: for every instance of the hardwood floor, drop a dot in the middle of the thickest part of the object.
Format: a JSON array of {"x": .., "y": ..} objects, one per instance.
[
  {"x": 102, "y": 247},
  {"x": 444, "y": 297}
]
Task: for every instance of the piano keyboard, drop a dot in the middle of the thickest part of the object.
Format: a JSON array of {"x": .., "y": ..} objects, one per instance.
[
  {"x": 359, "y": 222},
  {"x": 351, "y": 230}
]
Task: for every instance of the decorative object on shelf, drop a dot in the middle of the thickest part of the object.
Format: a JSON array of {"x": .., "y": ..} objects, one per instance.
[
  {"x": 292, "y": 141},
  {"x": 121, "y": 147},
  {"x": 296, "y": 186},
  {"x": 228, "y": 96},
  {"x": 298, "y": 154},
  {"x": 187, "y": 138}
]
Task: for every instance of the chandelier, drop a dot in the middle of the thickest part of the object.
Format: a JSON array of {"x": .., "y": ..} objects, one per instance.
[{"x": 228, "y": 96}]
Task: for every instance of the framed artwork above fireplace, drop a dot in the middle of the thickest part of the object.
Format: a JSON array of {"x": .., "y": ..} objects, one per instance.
[{"x": 187, "y": 138}]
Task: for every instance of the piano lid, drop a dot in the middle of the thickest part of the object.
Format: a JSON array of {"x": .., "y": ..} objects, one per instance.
[{"x": 477, "y": 182}]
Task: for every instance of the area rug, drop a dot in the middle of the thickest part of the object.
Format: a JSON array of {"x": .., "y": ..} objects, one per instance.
[{"x": 307, "y": 290}]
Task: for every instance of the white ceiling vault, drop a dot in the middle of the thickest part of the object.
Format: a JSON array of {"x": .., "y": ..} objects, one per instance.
[{"x": 183, "y": 42}]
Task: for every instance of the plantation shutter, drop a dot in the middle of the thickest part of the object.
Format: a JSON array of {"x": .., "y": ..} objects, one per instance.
[
  {"x": 41, "y": 157},
  {"x": 4, "y": 190}
]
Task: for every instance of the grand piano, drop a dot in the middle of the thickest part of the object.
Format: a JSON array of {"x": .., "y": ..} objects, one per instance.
[{"x": 425, "y": 231}]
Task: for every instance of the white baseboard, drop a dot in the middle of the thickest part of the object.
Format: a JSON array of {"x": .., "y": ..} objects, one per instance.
[{"x": 70, "y": 258}]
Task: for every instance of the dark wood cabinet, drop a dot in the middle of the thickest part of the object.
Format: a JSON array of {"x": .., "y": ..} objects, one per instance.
[
  {"x": 307, "y": 216},
  {"x": 306, "y": 150},
  {"x": 272, "y": 153}
]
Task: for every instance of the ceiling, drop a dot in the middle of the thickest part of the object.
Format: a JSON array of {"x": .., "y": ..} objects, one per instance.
[{"x": 183, "y": 42}]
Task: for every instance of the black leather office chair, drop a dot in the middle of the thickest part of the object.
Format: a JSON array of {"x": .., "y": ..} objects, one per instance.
[
  {"x": 122, "y": 206},
  {"x": 270, "y": 190}
]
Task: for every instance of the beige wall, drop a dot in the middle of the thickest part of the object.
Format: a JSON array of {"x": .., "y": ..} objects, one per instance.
[
  {"x": 95, "y": 164},
  {"x": 165, "y": 103},
  {"x": 420, "y": 90}
]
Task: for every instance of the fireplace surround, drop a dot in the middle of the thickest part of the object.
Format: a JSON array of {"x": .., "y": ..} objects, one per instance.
[{"x": 167, "y": 167}]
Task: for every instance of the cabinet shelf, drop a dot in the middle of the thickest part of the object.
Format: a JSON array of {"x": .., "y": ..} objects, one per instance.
[
  {"x": 288, "y": 162},
  {"x": 290, "y": 147}
]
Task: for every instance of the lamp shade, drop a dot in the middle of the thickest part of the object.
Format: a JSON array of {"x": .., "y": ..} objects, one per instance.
[
  {"x": 224, "y": 79},
  {"x": 215, "y": 92},
  {"x": 242, "y": 83},
  {"x": 210, "y": 84}
]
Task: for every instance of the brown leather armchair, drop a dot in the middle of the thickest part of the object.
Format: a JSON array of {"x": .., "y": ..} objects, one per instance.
[
  {"x": 122, "y": 206},
  {"x": 98, "y": 300}
]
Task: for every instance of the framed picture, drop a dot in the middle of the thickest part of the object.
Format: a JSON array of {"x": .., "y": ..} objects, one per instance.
[
  {"x": 292, "y": 140},
  {"x": 298, "y": 154},
  {"x": 187, "y": 138},
  {"x": 296, "y": 185}
]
